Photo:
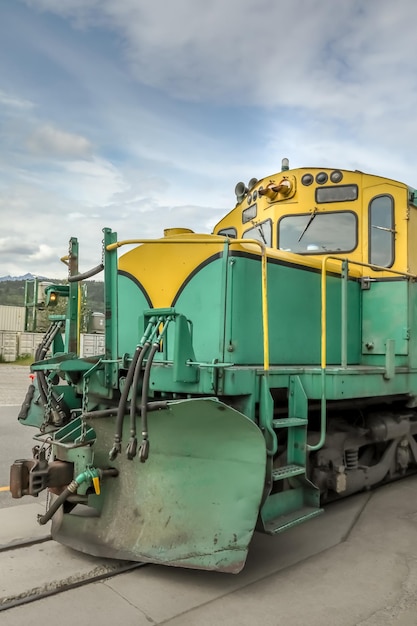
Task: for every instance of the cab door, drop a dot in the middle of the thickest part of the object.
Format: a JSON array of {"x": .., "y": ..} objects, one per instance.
[{"x": 385, "y": 300}]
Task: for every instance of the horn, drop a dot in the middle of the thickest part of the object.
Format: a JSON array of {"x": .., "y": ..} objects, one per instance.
[
  {"x": 240, "y": 190},
  {"x": 252, "y": 183}
]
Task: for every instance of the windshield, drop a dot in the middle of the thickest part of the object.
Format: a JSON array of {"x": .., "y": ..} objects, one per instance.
[
  {"x": 317, "y": 233},
  {"x": 262, "y": 232}
]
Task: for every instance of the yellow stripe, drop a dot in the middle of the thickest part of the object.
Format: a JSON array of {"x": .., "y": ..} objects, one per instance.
[{"x": 4, "y": 488}]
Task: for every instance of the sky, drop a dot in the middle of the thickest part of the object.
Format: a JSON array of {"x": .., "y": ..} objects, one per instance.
[{"x": 142, "y": 115}]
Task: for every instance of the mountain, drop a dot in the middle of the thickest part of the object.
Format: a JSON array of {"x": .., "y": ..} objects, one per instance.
[{"x": 24, "y": 277}]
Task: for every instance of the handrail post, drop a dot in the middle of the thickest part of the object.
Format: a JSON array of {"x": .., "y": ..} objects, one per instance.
[
  {"x": 344, "y": 316},
  {"x": 111, "y": 309},
  {"x": 72, "y": 331},
  {"x": 323, "y": 358},
  {"x": 323, "y": 355},
  {"x": 265, "y": 318}
]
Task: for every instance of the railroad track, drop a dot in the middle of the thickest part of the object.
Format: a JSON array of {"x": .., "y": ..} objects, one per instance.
[{"x": 31, "y": 570}]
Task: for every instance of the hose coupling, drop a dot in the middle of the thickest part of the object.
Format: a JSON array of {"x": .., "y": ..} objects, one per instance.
[
  {"x": 131, "y": 450},
  {"x": 144, "y": 450}
]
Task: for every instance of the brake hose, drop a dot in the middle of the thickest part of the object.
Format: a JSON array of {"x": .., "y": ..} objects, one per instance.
[
  {"x": 133, "y": 442},
  {"x": 117, "y": 446},
  {"x": 144, "y": 446}
]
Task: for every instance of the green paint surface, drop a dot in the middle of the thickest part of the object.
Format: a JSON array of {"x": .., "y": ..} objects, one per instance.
[
  {"x": 131, "y": 303},
  {"x": 194, "y": 503},
  {"x": 385, "y": 316},
  {"x": 294, "y": 308}
]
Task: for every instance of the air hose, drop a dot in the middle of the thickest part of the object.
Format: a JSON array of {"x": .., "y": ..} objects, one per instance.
[
  {"x": 133, "y": 442},
  {"x": 131, "y": 384},
  {"x": 79, "y": 277},
  {"x": 92, "y": 474},
  {"x": 117, "y": 446},
  {"x": 144, "y": 446},
  {"x": 142, "y": 346}
]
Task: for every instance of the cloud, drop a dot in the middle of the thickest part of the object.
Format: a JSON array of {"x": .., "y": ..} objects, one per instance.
[
  {"x": 15, "y": 245},
  {"x": 9, "y": 101},
  {"x": 301, "y": 60},
  {"x": 43, "y": 253},
  {"x": 143, "y": 115},
  {"x": 258, "y": 51},
  {"x": 52, "y": 142}
]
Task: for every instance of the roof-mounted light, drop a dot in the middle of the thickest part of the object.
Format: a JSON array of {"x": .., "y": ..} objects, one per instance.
[{"x": 284, "y": 187}]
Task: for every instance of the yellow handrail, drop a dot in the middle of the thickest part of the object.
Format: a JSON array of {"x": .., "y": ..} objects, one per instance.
[{"x": 217, "y": 241}]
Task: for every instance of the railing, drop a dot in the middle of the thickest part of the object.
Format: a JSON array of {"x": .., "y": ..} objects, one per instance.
[
  {"x": 227, "y": 243},
  {"x": 323, "y": 349},
  {"x": 344, "y": 271},
  {"x": 344, "y": 275}
]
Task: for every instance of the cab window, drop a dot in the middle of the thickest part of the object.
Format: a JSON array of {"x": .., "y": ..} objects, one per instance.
[
  {"x": 228, "y": 232},
  {"x": 381, "y": 231},
  {"x": 261, "y": 232},
  {"x": 318, "y": 232}
]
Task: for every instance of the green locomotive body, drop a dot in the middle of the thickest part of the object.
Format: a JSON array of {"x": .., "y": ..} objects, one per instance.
[{"x": 248, "y": 376}]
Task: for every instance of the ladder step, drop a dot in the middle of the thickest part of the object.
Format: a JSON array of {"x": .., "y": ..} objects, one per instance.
[
  {"x": 286, "y": 471},
  {"x": 284, "y": 522},
  {"x": 289, "y": 422}
]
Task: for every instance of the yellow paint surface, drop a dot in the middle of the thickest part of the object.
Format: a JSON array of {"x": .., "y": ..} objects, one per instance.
[
  {"x": 172, "y": 259},
  {"x": 303, "y": 201}
]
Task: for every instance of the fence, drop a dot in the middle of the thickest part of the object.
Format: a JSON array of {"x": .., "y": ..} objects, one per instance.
[{"x": 15, "y": 344}]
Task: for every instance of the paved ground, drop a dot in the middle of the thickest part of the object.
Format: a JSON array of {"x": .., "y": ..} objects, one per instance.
[
  {"x": 14, "y": 381},
  {"x": 16, "y": 442},
  {"x": 354, "y": 566}
]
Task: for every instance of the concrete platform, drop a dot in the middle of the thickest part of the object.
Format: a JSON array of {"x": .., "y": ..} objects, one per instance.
[
  {"x": 20, "y": 525},
  {"x": 354, "y": 566}
]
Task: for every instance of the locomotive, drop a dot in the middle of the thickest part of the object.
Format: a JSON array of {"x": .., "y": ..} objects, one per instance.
[{"x": 248, "y": 376}]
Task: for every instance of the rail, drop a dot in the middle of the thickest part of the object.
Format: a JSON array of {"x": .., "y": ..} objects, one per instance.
[
  {"x": 227, "y": 242},
  {"x": 323, "y": 345},
  {"x": 21, "y": 560}
]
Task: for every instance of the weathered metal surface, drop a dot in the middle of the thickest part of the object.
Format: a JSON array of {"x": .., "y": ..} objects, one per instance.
[
  {"x": 194, "y": 503},
  {"x": 31, "y": 476},
  {"x": 385, "y": 316}
]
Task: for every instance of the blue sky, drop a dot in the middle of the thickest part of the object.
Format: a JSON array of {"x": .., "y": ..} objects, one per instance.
[{"x": 142, "y": 115}]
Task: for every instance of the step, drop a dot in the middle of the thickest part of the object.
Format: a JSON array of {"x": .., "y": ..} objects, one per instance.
[
  {"x": 284, "y": 522},
  {"x": 289, "y": 422},
  {"x": 287, "y": 471}
]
